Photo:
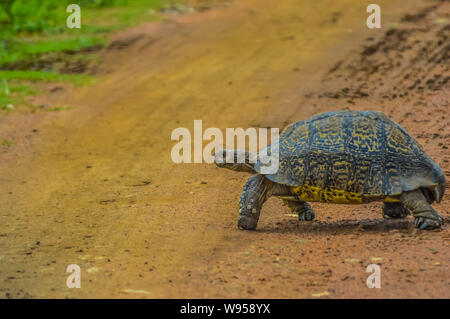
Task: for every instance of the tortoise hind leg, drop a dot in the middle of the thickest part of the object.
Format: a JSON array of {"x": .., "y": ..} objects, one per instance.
[
  {"x": 256, "y": 191},
  {"x": 425, "y": 217},
  {"x": 303, "y": 209},
  {"x": 394, "y": 210}
]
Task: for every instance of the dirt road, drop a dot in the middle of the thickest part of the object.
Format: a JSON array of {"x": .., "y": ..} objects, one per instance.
[{"x": 95, "y": 185}]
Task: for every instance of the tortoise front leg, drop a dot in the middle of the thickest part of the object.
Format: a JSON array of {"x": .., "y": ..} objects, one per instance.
[
  {"x": 303, "y": 209},
  {"x": 425, "y": 217},
  {"x": 255, "y": 193}
]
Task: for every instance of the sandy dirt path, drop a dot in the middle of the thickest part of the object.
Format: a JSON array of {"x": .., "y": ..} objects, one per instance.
[{"x": 95, "y": 185}]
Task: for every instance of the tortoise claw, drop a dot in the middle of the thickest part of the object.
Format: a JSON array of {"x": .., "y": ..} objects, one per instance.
[
  {"x": 424, "y": 223},
  {"x": 306, "y": 214},
  {"x": 247, "y": 222}
]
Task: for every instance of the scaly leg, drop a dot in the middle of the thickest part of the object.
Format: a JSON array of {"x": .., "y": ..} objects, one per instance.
[
  {"x": 425, "y": 217},
  {"x": 256, "y": 191}
]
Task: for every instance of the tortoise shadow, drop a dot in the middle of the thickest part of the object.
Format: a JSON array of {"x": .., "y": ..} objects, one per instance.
[{"x": 342, "y": 226}]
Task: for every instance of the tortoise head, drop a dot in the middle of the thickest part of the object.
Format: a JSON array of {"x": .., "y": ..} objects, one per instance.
[{"x": 236, "y": 160}]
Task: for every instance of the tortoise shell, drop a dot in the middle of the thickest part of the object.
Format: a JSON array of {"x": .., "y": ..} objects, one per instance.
[{"x": 351, "y": 157}]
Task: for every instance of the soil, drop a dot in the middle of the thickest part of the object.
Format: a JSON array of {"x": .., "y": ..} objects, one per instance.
[{"x": 95, "y": 185}]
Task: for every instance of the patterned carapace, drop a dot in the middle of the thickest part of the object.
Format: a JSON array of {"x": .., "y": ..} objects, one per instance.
[{"x": 352, "y": 157}]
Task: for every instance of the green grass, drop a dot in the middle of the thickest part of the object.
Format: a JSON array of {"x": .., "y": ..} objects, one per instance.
[
  {"x": 14, "y": 94},
  {"x": 39, "y": 27},
  {"x": 34, "y": 76},
  {"x": 5, "y": 100},
  {"x": 6, "y": 143},
  {"x": 27, "y": 49},
  {"x": 58, "y": 108},
  {"x": 36, "y": 30},
  {"x": 5, "y": 94},
  {"x": 49, "y": 16},
  {"x": 5, "y": 87},
  {"x": 23, "y": 89}
]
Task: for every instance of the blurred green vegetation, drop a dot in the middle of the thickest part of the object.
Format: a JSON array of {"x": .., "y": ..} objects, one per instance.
[
  {"x": 14, "y": 94},
  {"x": 49, "y": 16},
  {"x": 34, "y": 76},
  {"x": 32, "y": 29},
  {"x": 6, "y": 143}
]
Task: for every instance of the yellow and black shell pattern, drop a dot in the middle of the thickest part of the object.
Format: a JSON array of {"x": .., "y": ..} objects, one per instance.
[{"x": 351, "y": 157}]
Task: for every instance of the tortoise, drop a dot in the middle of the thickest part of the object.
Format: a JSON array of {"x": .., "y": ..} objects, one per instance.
[{"x": 343, "y": 157}]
